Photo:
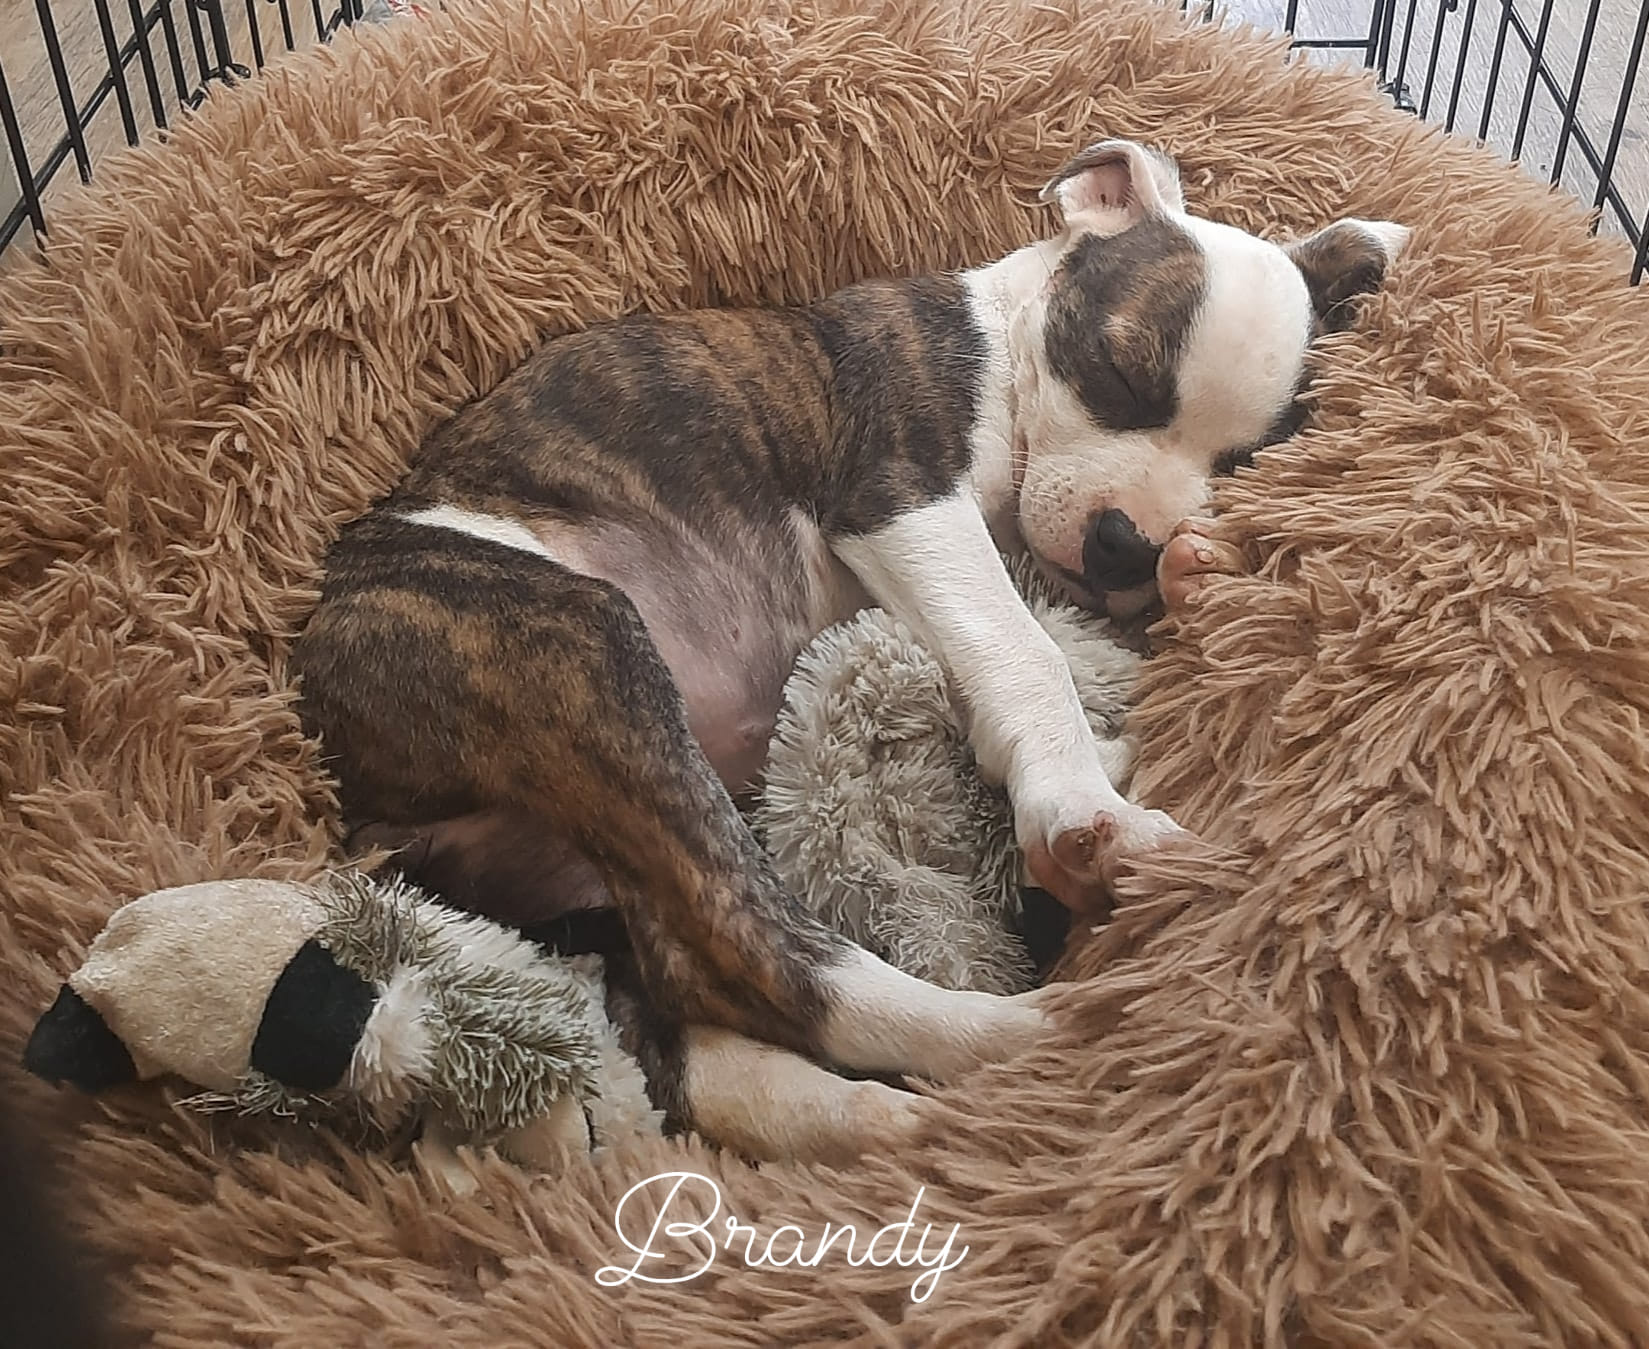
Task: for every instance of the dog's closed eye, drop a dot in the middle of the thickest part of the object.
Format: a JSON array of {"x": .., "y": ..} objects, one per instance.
[{"x": 1117, "y": 374}]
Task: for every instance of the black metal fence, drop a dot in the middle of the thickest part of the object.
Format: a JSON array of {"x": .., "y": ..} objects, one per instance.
[
  {"x": 1551, "y": 83},
  {"x": 154, "y": 63},
  {"x": 1554, "y": 84}
]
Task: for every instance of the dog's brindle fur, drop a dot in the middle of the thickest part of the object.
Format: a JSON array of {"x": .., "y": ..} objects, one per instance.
[{"x": 547, "y": 665}]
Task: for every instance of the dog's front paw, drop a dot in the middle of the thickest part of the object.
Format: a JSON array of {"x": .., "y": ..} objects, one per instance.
[
  {"x": 1078, "y": 862},
  {"x": 1189, "y": 558}
]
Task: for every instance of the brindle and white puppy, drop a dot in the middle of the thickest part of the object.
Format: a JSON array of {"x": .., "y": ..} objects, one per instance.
[{"x": 549, "y": 662}]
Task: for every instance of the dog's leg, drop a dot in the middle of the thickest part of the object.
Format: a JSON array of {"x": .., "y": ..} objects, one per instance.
[
  {"x": 771, "y": 1105},
  {"x": 473, "y": 678},
  {"x": 937, "y": 568},
  {"x": 768, "y": 1103}
]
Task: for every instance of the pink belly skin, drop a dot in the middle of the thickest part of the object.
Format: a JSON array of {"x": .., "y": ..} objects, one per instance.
[{"x": 729, "y": 614}]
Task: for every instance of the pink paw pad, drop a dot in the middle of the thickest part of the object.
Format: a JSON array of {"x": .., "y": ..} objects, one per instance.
[{"x": 1189, "y": 558}]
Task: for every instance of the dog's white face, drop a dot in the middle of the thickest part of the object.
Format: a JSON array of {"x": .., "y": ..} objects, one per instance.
[{"x": 1152, "y": 351}]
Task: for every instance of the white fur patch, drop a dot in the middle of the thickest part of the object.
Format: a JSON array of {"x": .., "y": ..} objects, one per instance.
[
  {"x": 1391, "y": 237},
  {"x": 393, "y": 1058},
  {"x": 493, "y": 528},
  {"x": 482, "y": 945},
  {"x": 1240, "y": 368},
  {"x": 991, "y": 438},
  {"x": 773, "y": 1105},
  {"x": 884, "y": 1020}
]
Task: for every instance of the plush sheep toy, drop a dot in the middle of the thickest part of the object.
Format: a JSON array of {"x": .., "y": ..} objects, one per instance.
[
  {"x": 353, "y": 993},
  {"x": 358, "y": 993}
]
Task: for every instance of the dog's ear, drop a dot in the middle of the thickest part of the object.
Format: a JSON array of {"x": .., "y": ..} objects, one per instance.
[
  {"x": 1347, "y": 259},
  {"x": 1113, "y": 185}
]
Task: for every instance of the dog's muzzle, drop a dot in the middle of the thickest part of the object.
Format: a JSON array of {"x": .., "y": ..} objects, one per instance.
[{"x": 1116, "y": 556}]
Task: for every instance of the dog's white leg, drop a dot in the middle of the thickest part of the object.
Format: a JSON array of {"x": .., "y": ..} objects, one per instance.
[
  {"x": 438, "y": 1150},
  {"x": 881, "y": 1019},
  {"x": 937, "y": 568},
  {"x": 773, "y": 1105}
]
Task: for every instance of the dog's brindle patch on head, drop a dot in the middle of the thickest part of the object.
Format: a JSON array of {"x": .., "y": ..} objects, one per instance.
[{"x": 1120, "y": 314}]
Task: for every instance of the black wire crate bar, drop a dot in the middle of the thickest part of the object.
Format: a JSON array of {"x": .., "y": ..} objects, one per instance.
[
  {"x": 1553, "y": 84},
  {"x": 80, "y": 77}
]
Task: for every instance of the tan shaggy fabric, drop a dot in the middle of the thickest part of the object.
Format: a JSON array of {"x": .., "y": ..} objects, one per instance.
[{"x": 1381, "y": 1081}]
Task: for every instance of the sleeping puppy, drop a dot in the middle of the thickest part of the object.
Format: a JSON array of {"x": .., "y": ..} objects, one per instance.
[{"x": 546, "y": 667}]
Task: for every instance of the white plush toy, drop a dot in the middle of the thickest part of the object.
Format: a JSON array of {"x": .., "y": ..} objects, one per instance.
[{"x": 353, "y": 993}]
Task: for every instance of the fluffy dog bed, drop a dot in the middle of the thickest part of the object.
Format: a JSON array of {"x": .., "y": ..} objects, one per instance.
[{"x": 1384, "y": 1082}]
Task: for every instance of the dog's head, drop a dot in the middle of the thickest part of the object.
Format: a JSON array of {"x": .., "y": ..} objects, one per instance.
[{"x": 1153, "y": 350}]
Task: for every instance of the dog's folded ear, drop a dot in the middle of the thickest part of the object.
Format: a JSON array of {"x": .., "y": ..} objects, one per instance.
[
  {"x": 1113, "y": 185},
  {"x": 1344, "y": 260}
]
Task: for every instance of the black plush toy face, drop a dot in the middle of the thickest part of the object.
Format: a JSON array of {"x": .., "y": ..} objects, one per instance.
[
  {"x": 306, "y": 1037},
  {"x": 73, "y": 1044}
]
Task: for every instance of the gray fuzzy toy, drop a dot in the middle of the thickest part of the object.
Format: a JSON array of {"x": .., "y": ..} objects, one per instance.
[{"x": 874, "y": 810}]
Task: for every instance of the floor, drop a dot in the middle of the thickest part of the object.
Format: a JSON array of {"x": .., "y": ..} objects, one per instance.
[
  {"x": 80, "y": 36},
  {"x": 1431, "y": 41},
  {"x": 1431, "y": 80}
]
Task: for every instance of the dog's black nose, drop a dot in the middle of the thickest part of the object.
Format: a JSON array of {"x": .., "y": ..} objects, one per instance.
[{"x": 1115, "y": 555}]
